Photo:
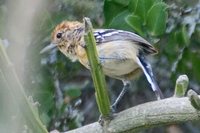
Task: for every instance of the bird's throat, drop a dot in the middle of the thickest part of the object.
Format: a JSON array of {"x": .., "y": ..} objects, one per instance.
[{"x": 82, "y": 56}]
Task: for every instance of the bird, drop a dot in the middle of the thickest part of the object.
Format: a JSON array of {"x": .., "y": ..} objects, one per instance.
[{"x": 122, "y": 54}]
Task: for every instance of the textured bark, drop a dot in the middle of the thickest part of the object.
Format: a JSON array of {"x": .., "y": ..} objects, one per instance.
[{"x": 152, "y": 114}]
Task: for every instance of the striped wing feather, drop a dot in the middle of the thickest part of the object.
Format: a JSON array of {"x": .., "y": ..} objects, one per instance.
[{"x": 103, "y": 36}]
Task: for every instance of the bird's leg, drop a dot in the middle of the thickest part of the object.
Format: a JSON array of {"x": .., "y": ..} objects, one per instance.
[
  {"x": 158, "y": 94},
  {"x": 125, "y": 88}
]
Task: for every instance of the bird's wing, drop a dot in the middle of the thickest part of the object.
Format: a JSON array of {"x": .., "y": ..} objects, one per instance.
[{"x": 108, "y": 35}]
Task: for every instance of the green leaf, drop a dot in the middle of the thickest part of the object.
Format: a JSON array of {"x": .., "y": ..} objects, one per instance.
[
  {"x": 182, "y": 37},
  {"x": 121, "y": 2},
  {"x": 156, "y": 19},
  {"x": 119, "y": 21},
  {"x": 135, "y": 22},
  {"x": 133, "y": 5},
  {"x": 111, "y": 10},
  {"x": 171, "y": 46},
  {"x": 195, "y": 58},
  {"x": 141, "y": 7},
  {"x": 196, "y": 37}
]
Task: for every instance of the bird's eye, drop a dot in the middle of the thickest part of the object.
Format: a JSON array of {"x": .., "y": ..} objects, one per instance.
[{"x": 59, "y": 35}]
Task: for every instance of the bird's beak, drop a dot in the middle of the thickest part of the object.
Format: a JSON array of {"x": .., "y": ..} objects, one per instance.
[{"x": 48, "y": 48}]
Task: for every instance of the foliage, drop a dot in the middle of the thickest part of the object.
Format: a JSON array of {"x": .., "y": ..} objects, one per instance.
[
  {"x": 142, "y": 16},
  {"x": 173, "y": 27}
]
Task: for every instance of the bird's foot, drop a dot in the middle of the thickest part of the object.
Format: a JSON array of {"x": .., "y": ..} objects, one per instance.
[{"x": 104, "y": 120}]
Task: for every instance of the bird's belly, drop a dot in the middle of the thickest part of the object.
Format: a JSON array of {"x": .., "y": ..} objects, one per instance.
[
  {"x": 118, "y": 58},
  {"x": 119, "y": 68}
]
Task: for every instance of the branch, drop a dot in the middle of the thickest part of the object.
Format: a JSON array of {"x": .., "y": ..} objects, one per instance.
[
  {"x": 96, "y": 71},
  {"x": 152, "y": 114}
]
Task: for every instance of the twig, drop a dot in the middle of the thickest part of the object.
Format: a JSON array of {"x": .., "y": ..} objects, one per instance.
[
  {"x": 181, "y": 86},
  {"x": 96, "y": 71}
]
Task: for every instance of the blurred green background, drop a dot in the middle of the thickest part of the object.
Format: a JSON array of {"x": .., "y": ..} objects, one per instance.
[{"x": 64, "y": 90}]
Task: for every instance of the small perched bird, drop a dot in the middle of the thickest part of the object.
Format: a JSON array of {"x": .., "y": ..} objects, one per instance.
[{"x": 121, "y": 53}]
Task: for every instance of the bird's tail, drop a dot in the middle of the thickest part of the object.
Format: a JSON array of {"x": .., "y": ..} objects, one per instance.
[{"x": 146, "y": 67}]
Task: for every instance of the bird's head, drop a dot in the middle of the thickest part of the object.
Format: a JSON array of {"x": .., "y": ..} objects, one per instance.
[{"x": 67, "y": 36}]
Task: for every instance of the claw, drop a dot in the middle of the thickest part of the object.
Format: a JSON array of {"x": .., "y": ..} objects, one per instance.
[
  {"x": 113, "y": 108},
  {"x": 105, "y": 119}
]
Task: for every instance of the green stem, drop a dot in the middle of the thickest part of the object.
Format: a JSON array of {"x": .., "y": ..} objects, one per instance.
[
  {"x": 96, "y": 70},
  {"x": 13, "y": 83},
  {"x": 181, "y": 86}
]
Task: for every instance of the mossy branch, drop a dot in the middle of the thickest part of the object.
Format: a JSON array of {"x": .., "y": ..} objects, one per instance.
[
  {"x": 96, "y": 70},
  {"x": 14, "y": 86},
  {"x": 152, "y": 114}
]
